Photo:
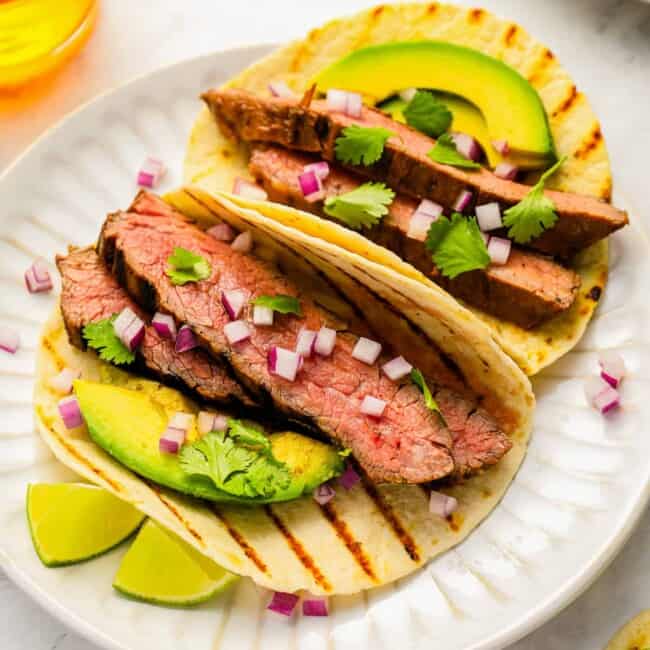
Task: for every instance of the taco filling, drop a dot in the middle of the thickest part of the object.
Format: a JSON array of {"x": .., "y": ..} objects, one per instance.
[{"x": 527, "y": 285}]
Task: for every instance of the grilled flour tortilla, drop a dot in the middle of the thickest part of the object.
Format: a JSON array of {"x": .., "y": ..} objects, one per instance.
[
  {"x": 365, "y": 537},
  {"x": 213, "y": 161}
]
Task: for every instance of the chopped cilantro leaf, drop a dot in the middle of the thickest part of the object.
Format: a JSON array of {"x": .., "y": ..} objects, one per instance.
[
  {"x": 361, "y": 145},
  {"x": 535, "y": 213},
  {"x": 280, "y": 303},
  {"x": 239, "y": 462},
  {"x": 102, "y": 338},
  {"x": 186, "y": 266},
  {"x": 456, "y": 245},
  {"x": 363, "y": 206},
  {"x": 444, "y": 152},
  {"x": 428, "y": 114},
  {"x": 418, "y": 379}
]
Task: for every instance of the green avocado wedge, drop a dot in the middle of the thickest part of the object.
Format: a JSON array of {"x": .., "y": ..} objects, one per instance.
[
  {"x": 511, "y": 107},
  {"x": 128, "y": 425}
]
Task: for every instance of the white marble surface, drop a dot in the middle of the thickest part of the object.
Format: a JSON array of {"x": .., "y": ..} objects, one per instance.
[{"x": 605, "y": 44}]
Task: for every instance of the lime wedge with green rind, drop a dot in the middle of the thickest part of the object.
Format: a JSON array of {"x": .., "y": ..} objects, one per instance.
[
  {"x": 162, "y": 569},
  {"x": 74, "y": 522}
]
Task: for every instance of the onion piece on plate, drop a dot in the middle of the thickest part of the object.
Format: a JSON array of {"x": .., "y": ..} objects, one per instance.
[
  {"x": 467, "y": 146},
  {"x": 165, "y": 326},
  {"x": 424, "y": 215},
  {"x": 306, "y": 342},
  {"x": 37, "y": 277},
  {"x": 284, "y": 363},
  {"x": 499, "y": 249},
  {"x": 248, "y": 190},
  {"x": 463, "y": 201},
  {"x": 501, "y": 146},
  {"x": 171, "y": 440},
  {"x": 342, "y": 101},
  {"x": 311, "y": 186},
  {"x": 262, "y": 316},
  {"x": 151, "y": 173},
  {"x": 349, "y": 478},
  {"x": 325, "y": 341},
  {"x": 321, "y": 168},
  {"x": 280, "y": 89},
  {"x": 129, "y": 328},
  {"x": 601, "y": 395},
  {"x": 243, "y": 243},
  {"x": 506, "y": 170},
  {"x": 62, "y": 382},
  {"x": 222, "y": 232},
  {"x": 612, "y": 368},
  {"x": 372, "y": 406},
  {"x": 233, "y": 301},
  {"x": 283, "y": 603},
  {"x": 9, "y": 340},
  {"x": 315, "y": 606},
  {"x": 488, "y": 216},
  {"x": 237, "y": 331}
]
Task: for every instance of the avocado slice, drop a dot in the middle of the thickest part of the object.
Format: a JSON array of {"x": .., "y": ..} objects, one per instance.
[
  {"x": 512, "y": 109},
  {"x": 127, "y": 423},
  {"x": 466, "y": 119}
]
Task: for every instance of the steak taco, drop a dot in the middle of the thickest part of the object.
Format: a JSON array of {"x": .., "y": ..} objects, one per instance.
[
  {"x": 448, "y": 137},
  {"x": 295, "y": 411}
]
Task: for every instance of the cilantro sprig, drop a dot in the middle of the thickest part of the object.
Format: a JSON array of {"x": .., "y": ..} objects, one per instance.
[
  {"x": 418, "y": 379},
  {"x": 101, "y": 337},
  {"x": 456, "y": 245},
  {"x": 281, "y": 303},
  {"x": 428, "y": 114},
  {"x": 239, "y": 462},
  {"x": 535, "y": 213},
  {"x": 444, "y": 152},
  {"x": 363, "y": 206},
  {"x": 361, "y": 145},
  {"x": 185, "y": 266}
]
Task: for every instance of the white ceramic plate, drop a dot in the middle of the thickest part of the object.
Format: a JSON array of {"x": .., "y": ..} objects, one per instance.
[{"x": 570, "y": 509}]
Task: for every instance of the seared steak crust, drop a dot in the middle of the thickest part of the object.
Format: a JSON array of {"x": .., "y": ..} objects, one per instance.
[
  {"x": 529, "y": 289},
  {"x": 404, "y": 165},
  {"x": 90, "y": 293},
  {"x": 408, "y": 444}
]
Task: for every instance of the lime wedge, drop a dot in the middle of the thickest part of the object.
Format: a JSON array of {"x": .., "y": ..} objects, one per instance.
[
  {"x": 162, "y": 569},
  {"x": 73, "y": 522}
]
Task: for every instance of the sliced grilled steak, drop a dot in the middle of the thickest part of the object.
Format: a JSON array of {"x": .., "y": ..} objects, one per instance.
[
  {"x": 408, "y": 444},
  {"x": 527, "y": 290},
  {"x": 405, "y": 165},
  {"x": 90, "y": 293}
]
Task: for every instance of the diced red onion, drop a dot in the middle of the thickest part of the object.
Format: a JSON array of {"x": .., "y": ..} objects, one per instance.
[
  {"x": 243, "y": 243},
  {"x": 311, "y": 186},
  {"x": 325, "y": 341},
  {"x": 9, "y": 340},
  {"x": 343, "y": 101},
  {"x": 354, "y": 105},
  {"x": 171, "y": 440},
  {"x": 62, "y": 383},
  {"x": 205, "y": 421},
  {"x": 506, "y": 170},
  {"x": 181, "y": 420},
  {"x": 129, "y": 328},
  {"x": 280, "y": 89},
  {"x": 37, "y": 277},
  {"x": 608, "y": 400},
  {"x": 463, "y": 201},
  {"x": 185, "y": 339},
  {"x": 220, "y": 423},
  {"x": 488, "y": 216},
  {"x": 366, "y": 350},
  {"x": 165, "y": 326},
  {"x": 249, "y": 190},
  {"x": 306, "y": 342},
  {"x": 612, "y": 367},
  {"x": 222, "y": 232},
  {"x": 262, "y": 316},
  {"x": 601, "y": 395},
  {"x": 372, "y": 406},
  {"x": 441, "y": 504},
  {"x": 501, "y": 146},
  {"x": 233, "y": 301},
  {"x": 324, "y": 493},
  {"x": 467, "y": 146},
  {"x": 283, "y": 603},
  {"x": 237, "y": 331},
  {"x": 70, "y": 412},
  {"x": 498, "y": 249},
  {"x": 315, "y": 606},
  {"x": 397, "y": 368},
  {"x": 321, "y": 168},
  {"x": 151, "y": 172},
  {"x": 284, "y": 363},
  {"x": 425, "y": 214},
  {"x": 408, "y": 94},
  {"x": 349, "y": 478}
]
